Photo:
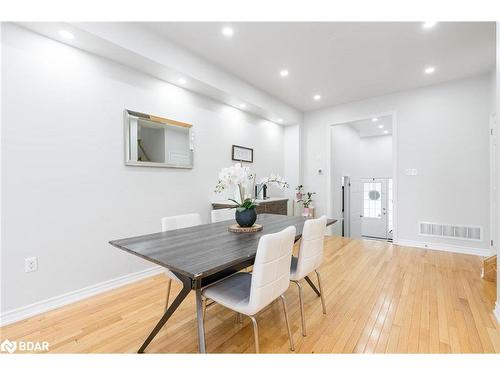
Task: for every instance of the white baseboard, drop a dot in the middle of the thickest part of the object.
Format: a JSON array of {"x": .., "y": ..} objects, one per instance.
[
  {"x": 36, "y": 308},
  {"x": 496, "y": 312},
  {"x": 444, "y": 247}
]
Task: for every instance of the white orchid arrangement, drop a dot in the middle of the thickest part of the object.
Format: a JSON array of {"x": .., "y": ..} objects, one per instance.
[{"x": 237, "y": 176}]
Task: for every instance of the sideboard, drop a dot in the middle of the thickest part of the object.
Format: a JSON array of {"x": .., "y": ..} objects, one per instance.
[{"x": 277, "y": 206}]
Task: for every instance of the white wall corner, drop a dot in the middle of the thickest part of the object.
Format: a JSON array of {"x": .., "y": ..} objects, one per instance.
[
  {"x": 40, "y": 307},
  {"x": 123, "y": 42},
  {"x": 496, "y": 312}
]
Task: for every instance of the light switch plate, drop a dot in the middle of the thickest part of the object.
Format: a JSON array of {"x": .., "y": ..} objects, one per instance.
[{"x": 411, "y": 172}]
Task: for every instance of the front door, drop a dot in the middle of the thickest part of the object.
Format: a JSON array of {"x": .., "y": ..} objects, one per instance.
[{"x": 374, "y": 212}]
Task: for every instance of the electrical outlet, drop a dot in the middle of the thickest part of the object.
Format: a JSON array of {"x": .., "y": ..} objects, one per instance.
[{"x": 31, "y": 264}]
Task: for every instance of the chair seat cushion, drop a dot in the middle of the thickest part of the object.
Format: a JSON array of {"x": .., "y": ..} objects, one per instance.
[{"x": 232, "y": 292}]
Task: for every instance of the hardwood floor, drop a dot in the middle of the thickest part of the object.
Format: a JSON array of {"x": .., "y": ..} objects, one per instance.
[{"x": 380, "y": 299}]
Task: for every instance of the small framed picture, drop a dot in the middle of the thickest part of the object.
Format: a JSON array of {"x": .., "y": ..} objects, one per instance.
[{"x": 240, "y": 153}]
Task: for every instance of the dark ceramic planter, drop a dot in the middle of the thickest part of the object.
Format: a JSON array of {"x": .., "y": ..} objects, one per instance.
[{"x": 246, "y": 218}]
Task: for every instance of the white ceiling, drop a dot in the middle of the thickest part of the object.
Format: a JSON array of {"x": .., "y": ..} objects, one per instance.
[
  {"x": 371, "y": 128},
  {"x": 342, "y": 61}
]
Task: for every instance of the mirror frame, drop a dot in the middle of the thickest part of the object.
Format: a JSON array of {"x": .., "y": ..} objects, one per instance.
[{"x": 133, "y": 115}]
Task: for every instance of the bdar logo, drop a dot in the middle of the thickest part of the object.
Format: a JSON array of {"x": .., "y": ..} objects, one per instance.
[{"x": 8, "y": 346}]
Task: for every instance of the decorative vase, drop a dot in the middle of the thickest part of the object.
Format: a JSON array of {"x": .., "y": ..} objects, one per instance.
[
  {"x": 246, "y": 218},
  {"x": 306, "y": 211}
]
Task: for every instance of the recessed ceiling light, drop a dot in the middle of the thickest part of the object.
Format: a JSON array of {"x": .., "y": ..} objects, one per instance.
[
  {"x": 243, "y": 105},
  {"x": 381, "y": 126},
  {"x": 284, "y": 73},
  {"x": 227, "y": 31},
  {"x": 374, "y": 119},
  {"x": 66, "y": 34},
  {"x": 429, "y": 25},
  {"x": 386, "y": 132},
  {"x": 280, "y": 120},
  {"x": 430, "y": 70},
  {"x": 182, "y": 81},
  {"x": 317, "y": 97}
]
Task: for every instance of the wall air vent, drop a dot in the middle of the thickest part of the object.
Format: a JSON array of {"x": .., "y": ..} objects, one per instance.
[{"x": 459, "y": 232}]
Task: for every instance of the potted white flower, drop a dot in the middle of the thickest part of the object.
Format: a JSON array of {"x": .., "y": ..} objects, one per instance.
[{"x": 238, "y": 177}]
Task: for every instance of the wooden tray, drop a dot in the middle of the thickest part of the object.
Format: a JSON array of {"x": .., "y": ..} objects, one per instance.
[{"x": 237, "y": 229}]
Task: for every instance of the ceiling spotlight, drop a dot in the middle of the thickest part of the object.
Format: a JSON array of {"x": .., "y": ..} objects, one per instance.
[
  {"x": 182, "y": 81},
  {"x": 66, "y": 34},
  {"x": 227, "y": 31},
  {"x": 381, "y": 126},
  {"x": 374, "y": 119},
  {"x": 284, "y": 73},
  {"x": 317, "y": 97},
  {"x": 386, "y": 132},
  {"x": 280, "y": 120},
  {"x": 243, "y": 105},
  {"x": 428, "y": 25},
  {"x": 430, "y": 70}
]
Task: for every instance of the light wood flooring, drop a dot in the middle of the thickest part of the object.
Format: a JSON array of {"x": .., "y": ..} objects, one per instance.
[{"x": 380, "y": 298}]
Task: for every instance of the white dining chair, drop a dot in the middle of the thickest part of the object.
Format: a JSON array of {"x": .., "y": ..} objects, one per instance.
[
  {"x": 223, "y": 214},
  {"x": 247, "y": 293},
  {"x": 177, "y": 222},
  {"x": 309, "y": 259}
]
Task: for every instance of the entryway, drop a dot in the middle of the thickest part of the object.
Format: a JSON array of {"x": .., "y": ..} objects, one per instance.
[
  {"x": 361, "y": 178},
  {"x": 369, "y": 208}
]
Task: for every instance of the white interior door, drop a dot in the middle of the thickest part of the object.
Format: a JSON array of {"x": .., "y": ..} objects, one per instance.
[
  {"x": 374, "y": 212},
  {"x": 493, "y": 183},
  {"x": 355, "y": 207}
]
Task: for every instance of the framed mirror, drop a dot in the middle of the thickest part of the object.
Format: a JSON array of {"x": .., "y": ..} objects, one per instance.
[{"x": 152, "y": 141}]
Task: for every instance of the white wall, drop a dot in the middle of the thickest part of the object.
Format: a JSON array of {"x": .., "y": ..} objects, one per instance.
[
  {"x": 345, "y": 161},
  {"x": 354, "y": 156},
  {"x": 375, "y": 158},
  {"x": 65, "y": 189},
  {"x": 291, "y": 156},
  {"x": 496, "y": 108},
  {"x": 135, "y": 45},
  {"x": 442, "y": 131}
]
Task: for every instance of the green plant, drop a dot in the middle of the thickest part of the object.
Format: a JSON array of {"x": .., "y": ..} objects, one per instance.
[
  {"x": 247, "y": 204},
  {"x": 306, "y": 202}
]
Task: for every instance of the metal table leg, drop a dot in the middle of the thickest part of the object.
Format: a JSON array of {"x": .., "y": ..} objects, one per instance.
[
  {"x": 186, "y": 288},
  {"x": 199, "y": 317},
  {"x": 311, "y": 284}
]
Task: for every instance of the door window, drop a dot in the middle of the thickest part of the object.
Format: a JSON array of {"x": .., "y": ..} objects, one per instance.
[{"x": 372, "y": 199}]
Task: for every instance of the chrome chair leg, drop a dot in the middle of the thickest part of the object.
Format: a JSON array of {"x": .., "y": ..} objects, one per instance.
[
  {"x": 301, "y": 303},
  {"x": 255, "y": 333},
  {"x": 290, "y": 337},
  {"x": 321, "y": 291},
  {"x": 169, "y": 285},
  {"x": 204, "y": 308}
]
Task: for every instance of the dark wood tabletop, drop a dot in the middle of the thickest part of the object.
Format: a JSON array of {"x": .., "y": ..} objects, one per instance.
[{"x": 204, "y": 250}]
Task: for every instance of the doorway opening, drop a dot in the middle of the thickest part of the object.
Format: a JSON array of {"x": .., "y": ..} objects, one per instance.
[
  {"x": 362, "y": 177},
  {"x": 369, "y": 213}
]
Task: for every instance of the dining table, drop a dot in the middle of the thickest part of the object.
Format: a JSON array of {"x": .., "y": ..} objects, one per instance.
[{"x": 202, "y": 255}]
